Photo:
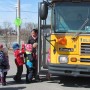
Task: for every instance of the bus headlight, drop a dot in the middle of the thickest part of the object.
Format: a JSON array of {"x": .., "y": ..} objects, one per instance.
[{"x": 63, "y": 59}]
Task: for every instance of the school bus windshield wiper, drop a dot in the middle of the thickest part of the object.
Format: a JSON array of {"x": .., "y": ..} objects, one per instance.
[{"x": 76, "y": 34}]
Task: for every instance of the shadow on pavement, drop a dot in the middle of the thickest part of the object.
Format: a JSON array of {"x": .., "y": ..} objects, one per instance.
[
  {"x": 22, "y": 82},
  {"x": 53, "y": 79},
  {"x": 72, "y": 81},
  {"x": 13, "y": 82},
  {"x": 76, "y": 82},
  {"x": 13, "y": 88},
  {"x": 23, "y": 75}
]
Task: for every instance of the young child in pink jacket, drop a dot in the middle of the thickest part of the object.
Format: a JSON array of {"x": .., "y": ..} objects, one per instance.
[{"x": 48, "y": 61}]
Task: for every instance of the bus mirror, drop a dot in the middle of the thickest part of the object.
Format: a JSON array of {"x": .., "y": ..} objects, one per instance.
[{"x": 43, "y": 10}]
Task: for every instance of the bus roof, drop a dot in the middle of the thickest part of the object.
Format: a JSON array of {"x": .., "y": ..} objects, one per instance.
[{"x": 70, "y": 1}]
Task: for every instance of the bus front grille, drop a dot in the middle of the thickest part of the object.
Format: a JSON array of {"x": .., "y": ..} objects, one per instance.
[{"x": 85, "y": 48}]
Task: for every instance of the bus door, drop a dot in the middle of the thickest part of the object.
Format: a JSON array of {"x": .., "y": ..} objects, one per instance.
[{"x": 43, "y": 45}]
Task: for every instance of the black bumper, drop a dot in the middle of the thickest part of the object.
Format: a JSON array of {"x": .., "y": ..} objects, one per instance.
[{"x": 69, "y": 70}]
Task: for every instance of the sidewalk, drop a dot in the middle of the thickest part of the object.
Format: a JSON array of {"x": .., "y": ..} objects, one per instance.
[{"x": 11, "y": 84}]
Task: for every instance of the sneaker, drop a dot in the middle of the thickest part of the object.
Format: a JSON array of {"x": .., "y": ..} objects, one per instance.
[
  {"x": 48, "y": 76},
  {"x": 17, "y": 80},
  {"x": 28, "y": 81},
  {"x": 14, "y": 79},
  {"x": 37, "y": 79}
]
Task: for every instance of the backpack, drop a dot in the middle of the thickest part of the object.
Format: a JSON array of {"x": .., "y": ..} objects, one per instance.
[{"x": 2, "y": 57}]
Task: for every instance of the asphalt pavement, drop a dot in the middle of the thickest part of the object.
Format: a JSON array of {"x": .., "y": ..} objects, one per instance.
[{"x": 56, "y": 83}]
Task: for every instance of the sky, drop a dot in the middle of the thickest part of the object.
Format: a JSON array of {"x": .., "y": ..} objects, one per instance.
[{"x": 8, "y": 11}]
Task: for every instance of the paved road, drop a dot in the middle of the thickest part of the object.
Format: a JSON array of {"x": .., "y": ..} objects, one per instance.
[{"x": 56, "y": 83}]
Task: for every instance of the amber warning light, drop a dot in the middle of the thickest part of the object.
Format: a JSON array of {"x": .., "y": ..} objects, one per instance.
[{"x": 62, "y": 41}]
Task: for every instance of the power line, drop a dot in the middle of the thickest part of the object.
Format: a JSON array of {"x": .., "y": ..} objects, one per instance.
[{"x": 21, "y": 11}]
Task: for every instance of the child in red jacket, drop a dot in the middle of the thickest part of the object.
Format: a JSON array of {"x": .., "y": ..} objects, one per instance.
[{"x": 19, "y": 61}]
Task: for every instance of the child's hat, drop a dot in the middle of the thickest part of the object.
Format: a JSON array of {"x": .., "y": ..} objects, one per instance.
[
  {"x": 15, "y": 46},
  {"x": 1, "y": 45},
  {"x": 28, "y": 47}
]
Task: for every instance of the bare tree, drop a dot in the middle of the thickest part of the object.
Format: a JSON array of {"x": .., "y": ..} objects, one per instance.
[
  {"x": 26, "y": 31},
  {"x": 24, "y": 35},
  {"x": 28, "y": 26},
  {"x": 1, "y": 31},
  {"x": 7, "y": 26}
]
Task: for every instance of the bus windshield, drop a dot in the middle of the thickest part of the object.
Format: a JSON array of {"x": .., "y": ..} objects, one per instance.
[{"x": 72, "y": 17}]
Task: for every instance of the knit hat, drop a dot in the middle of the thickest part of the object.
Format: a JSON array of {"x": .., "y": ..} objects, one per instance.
[
  {"x": 28, "y": 47},
  {"x": 15, "y": 46},
  {"x": 1, "y": 45}
]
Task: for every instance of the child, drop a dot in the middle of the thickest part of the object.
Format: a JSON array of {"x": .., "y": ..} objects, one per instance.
[
  {"x": 29, "y": 62},
  {"x": 4, "y": 64},
  {"x": 19, "y": 61}
]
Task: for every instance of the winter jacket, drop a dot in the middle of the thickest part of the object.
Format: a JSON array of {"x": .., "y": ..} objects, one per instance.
[
  {"x": 19, "y": 57},
  {"x": 4, "y": 63}
]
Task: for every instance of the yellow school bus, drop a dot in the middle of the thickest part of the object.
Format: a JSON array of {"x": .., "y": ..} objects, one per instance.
[{"x": 69, "y": 37}]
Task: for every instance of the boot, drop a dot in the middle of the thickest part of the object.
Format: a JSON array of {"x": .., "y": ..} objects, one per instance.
[
  {"x": 37, "y": 78},
  {"x": 0, "y": 78},
  {"x": 29, "y": 77},
  {"x": 3, "y": 81},
  {"x": 48, "y": 76},
  {"x": 4, "y": 84},
  {"x": 17, "y": 79}
]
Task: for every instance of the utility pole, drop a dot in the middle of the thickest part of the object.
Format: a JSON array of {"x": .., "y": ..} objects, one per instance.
[{"x": 18, "y": 16}]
